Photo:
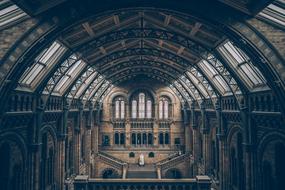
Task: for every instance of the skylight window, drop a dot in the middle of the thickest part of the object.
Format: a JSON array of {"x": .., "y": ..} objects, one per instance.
[
  {"x": 85, "y": 84},
  {"x": 46, "y": 59},
  {"x": 240, "y": 62},
  {"x": 197, "y": 83},
  {"x": 10, "y": 13},
  {"x": 67, "y": 79},
  {"x": 217, "y": 79},
  {"x": 275, "y": 13}
]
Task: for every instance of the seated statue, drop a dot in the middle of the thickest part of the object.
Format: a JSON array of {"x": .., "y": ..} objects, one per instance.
[{"x": 141, "y": 160}]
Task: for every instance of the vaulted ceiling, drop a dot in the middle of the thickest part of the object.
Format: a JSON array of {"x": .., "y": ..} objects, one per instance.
[{"x": 196, "y": 59}]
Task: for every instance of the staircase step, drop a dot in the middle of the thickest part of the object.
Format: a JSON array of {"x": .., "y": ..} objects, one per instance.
[{"x": 142, "y": 174}]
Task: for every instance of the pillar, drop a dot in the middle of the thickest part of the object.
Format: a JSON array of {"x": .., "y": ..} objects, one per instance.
[
  {"x": 249, "y": 148},
  {"x": 223, "y": 162},
  {"x": 77, "y": 129},
  {"x": 195, "y": 140},
  {"x": 206, "y": 139},
  {"x": 61, "y": 145},
  {"x": 87, "y": 137},
  {"x": 35, "y": 146},
  {"x": 187, "y": 131},
  {"x": 128, "y": 133}
]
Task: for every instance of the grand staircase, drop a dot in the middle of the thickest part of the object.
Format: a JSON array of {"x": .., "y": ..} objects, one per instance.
[
  {"x": 112, "y": 161},
  {"x": 146, "y": 171},
  {"x": 172, "y": 161}
]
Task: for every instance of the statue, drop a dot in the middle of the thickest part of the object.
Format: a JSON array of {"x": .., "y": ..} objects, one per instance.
[{"x": 141, "y": 160}]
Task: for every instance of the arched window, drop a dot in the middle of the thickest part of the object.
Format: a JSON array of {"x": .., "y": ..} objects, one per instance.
[
  {"x": 160, "y": 109},
  {"x": 134, "y": 109},
  {"x": 161, "y": 138},
  {"x": 150, "y": 141},
  {"x": 122, "y": 138},
  {"x": 164, "y": 108},
  {"x": 119, "y": 108},
  {"x": 141, "y": 105},
  {"x": 122, "y": 109},
  {"x": 116, "y": 138},
  {"x": 144, "y": 140},
  {"x": 148, "y": 109},
  {"x": 139, "y": 138},
  {"x": 166, "y": 138},
  {"x": 133, "y": 138},
  {"x": 151, "y": 155},
  {"x": 132, "y": 155},
  {"x": 165, "y": 111}
]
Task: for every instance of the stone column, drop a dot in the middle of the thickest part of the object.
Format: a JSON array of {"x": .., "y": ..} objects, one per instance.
[
  {"x": 35, "y": 146},
  {"x": 61, "y": 145},
  {"x": 223, "y": 162},
  {"x": 89, "y": 127},
  {"x": 195, "y": 140},
  {"x": 77, "y": 129},
  {"x": 187, "y": 131},
  {"x": 128, "y": 133},
  {"x": 218, "y": 115},
  {"x": 155, "y": 133},
  {"x": 155, "y": 126},
  {"x": 249, "y": 154},
  {"x": 206, "y": 144}
]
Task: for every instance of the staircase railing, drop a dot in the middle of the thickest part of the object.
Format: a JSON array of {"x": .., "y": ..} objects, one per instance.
[
  {"x": 172, "y": 161},
  {"x": 108, "y": 159}
]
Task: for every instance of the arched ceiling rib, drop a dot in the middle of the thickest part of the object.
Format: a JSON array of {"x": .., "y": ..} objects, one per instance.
[{"x": 114, "y": 47}]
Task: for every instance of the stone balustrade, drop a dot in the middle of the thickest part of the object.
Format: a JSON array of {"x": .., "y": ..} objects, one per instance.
[{"x": 86, "y": 183}]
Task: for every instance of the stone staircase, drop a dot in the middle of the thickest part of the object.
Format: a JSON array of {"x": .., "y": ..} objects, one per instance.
[
  {"x": 147, "y": 171},
  {"x": 172, "y": 161},
  {"x": 112, "y": 161}
]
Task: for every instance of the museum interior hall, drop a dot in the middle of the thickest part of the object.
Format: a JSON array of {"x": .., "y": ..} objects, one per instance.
[{"x": 142, "y": 95}]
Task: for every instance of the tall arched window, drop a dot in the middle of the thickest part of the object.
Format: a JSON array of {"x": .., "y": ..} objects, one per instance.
[
  {"x": 161, "y": 138},
  {"x": 166, "y": 138},
  {"x": 122, "y": 138},
  {"x": 116, "y": 138},
  {"x": 160, "y": 109},
  {"x": 141, "y": 105},
  {"x": 165, "y": 111},
  {"x": 149, "y": 138},
  {"x": 164, "y": 108},
  {"x": 148, "y": 109},
  {"x": 134, "y": 109},
  {"x": 122, "y": 109},
  {"x": 119, "y": 108}
]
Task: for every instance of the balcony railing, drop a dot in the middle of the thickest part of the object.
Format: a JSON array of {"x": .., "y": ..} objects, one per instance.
[
  {"x": 142, "y": 123},
  {"x": 119, "y": 123},
  {"x": 198, "y": 183}
]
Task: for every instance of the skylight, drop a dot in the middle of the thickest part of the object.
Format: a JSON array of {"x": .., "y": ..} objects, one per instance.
[
  {"x": 275, "y": 13},
  {"x": 240, "y": 62},
  {"x": 10, "y": 13},
  {"x": 46, "y": 59},
  {"x": 68, "y": 78},
  {"x": 212, "y": 73}
]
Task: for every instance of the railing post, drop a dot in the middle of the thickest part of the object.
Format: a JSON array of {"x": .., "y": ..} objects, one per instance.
[
  {"x": 203, "y": 182},
  {"x": 81, "y": 182},
  {"x": 158, "y": 171},
  {"x": 125, "y": 170}
]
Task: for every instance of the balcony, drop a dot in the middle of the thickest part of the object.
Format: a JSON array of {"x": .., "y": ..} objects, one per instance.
[
  {"x": 198, "y": 183},
  {"x": 142, "y": 123}
]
